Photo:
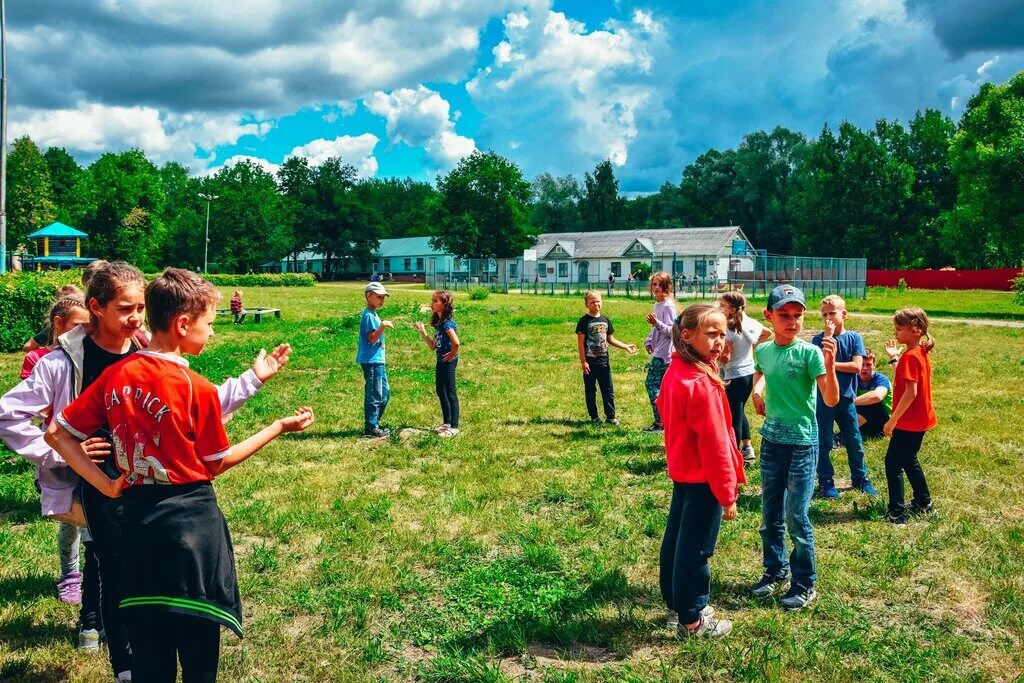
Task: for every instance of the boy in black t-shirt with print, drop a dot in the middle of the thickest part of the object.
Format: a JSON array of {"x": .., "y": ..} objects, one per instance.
[{"x": 594, "y": 334}]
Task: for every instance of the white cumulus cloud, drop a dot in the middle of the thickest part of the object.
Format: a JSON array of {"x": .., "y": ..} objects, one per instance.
[
  {"x": 354, "y": 150},
  {"x": 578, "y": 93},
  {"x": 420, "y": 117}
]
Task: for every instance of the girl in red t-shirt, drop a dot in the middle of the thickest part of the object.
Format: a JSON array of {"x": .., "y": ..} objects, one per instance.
[
  {"x": 912, "y": 412},
  {"x": 704, "y": 464}
]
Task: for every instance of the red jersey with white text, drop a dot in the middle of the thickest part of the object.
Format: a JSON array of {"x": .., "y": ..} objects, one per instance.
[{"x": 164, "y": 419}]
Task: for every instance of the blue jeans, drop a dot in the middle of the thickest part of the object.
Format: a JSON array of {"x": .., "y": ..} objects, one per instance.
[
  {"x": 375, "y": 395},
  {"x": 787, "y": 483},
  {"x": 845, "y": 415}
]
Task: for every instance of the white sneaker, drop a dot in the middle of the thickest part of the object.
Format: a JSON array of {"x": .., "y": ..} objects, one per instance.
[
  {"x": 89, "y": 640},
  {"x": 448, "y": 432},
  {"x": 440, "y": 428},
  {"x": 124, "y": 677},
  {"x": 672, "y": 617},
  {"x": 709, "y": 627}
]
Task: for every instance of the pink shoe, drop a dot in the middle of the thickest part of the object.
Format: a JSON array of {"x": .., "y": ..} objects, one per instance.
[{"x": 69, "y": 589}]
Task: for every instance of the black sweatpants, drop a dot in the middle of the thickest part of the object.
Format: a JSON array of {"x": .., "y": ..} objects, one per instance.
[
  {"x": 899, "y": 458},
  {"x": 104, "y": 517},
  {"x": 444, "y": 383},
  {"x": 160, "y": 639},
  {"x": 737, "y": 391},
  {"x": 599, "y": 375},
  {"x": 691, "y": 534}
]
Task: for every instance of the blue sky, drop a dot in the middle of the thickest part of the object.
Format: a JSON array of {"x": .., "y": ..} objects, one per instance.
[{"x": 407, "y": 87}]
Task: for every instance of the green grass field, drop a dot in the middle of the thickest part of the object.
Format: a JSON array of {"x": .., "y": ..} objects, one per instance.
[{"x": 527, "y": 547}]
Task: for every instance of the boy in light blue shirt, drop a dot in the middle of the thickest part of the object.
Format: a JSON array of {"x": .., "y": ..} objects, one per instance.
[{"x": 370, "y": 356}]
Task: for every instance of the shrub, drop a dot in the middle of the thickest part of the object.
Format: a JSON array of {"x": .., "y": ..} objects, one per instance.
[
  {"x": 256, "y": 279},
  {"x": 1018, "y": 287},
  {"x": 24, "y": 300},
  {"x": 642, "y": 272},
  {"x": 901, "y": 286},
  {"x": 479, "y": 293}
]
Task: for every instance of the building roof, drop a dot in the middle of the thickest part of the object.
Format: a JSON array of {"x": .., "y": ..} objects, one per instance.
[
  {"x": 57, "y": 230},
  {"x": 406, "y": 246},
  {"x": 614, "y": 243}
]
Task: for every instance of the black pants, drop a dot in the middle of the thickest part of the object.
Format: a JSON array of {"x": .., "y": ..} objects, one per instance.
[
  {"x": 104, "y": 517},
  {"x": 694, "y": 519},
  {"x": 444, "y": 383},
  {"x": 876, "y": 418},
  {"x": 161, "y": 638},
  {"x": 737, "y": 391},
  {"x": 89, "y": 616},
  {"x": 902, "y": 457},
  {"x": 599, "y": 375}
]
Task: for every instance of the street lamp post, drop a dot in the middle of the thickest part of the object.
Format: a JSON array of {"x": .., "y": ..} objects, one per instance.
[
  {"x": 3, "y": 137},
  {"x": 206, "y": 249}
]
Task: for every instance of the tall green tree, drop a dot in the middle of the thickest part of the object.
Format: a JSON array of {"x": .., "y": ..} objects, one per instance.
[
  {"x": 601, "y": 207},
  {"x": 342, "y": 224},
  {"x": 483, "y": 208},
  {"x": 555, "y": 205},
  {"x": 295, "y": 180},
  {"x": 124, "y": 182},
  {"x": 401, "y": 204},
  {"x": 29, "y": 194},
  {"x": 986, "y": 227},
  {"x": 72, "y": 187},
  {"x": 247, "y": 226},
  {"x": 934, "y": 192},
  {"x": 183, "y": 216}
]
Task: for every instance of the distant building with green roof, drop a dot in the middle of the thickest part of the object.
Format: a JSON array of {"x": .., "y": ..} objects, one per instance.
[{"x": 404, "y": 258}]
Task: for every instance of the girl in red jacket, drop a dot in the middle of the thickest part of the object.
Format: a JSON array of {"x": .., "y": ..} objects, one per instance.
[{"x": 705, "y": 467}]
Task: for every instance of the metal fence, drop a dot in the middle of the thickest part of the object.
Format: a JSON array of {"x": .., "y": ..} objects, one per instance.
[{"x": 755, "y": 275}]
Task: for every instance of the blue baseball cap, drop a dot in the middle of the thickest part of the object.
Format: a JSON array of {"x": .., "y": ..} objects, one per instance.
[{"x": 785, "y": 294}]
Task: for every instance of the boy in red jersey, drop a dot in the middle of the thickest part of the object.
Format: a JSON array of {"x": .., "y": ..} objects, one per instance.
[{"x": 178, "y": 568}]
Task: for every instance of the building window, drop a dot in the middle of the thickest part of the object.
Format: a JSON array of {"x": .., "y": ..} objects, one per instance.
[
  {"x": 677, "y": 267},
  {"x": 419, "y": 264},
  {"x": 700, "y": 268},
  {"x": 408, "y": 265},
  {"x": 617, "y": 268},
  {"x": 563, "y": 270},
  {"x": 385, "y": 264},
  {"x": 540, "y": 268},
  {"x": 656, "y": 266}
]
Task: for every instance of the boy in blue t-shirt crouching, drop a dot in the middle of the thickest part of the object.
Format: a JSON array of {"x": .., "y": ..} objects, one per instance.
[{"x": 370, "y": 356}]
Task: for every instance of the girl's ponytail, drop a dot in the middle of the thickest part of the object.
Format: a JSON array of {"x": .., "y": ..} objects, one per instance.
[{"x": 739, "y": 302}]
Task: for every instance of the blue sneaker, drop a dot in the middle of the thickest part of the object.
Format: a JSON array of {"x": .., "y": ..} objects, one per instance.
[
  {"x": 867, "y": 487},
  {"x": 830, "y": 492}
]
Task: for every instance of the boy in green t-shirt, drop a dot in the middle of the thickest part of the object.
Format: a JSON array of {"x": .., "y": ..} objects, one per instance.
[{"x": 793, "y": 371}]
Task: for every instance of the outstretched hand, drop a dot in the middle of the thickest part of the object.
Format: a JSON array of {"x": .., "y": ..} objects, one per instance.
[
  {"x": 892, "y": 348},
  {"x": 631, "y": 348},
  {"x": 267, "y": 365},
  {"x": 298, "y": 422}
]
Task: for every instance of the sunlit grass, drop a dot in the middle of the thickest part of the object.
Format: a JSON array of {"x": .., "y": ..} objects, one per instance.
[{"x": 526, "y": 548}]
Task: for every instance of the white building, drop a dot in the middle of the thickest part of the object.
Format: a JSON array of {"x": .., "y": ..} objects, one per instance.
[{"x": 708, "y": 254}]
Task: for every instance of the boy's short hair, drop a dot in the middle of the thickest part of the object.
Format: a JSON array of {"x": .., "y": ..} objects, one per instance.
[
  {"x": 175, "y": 292},
  {"x": 835, "y": 301},
  {"x": 591, "y": 294},
  {"x": 870, "y": 355}
]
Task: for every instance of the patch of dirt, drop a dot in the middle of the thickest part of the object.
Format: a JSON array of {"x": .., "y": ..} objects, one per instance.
[
  {"x": 580, "y": 656},
  {"x": 300, "y": 626}
]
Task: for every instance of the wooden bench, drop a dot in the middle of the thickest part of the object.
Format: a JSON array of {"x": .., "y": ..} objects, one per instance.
[{"x": 256, "y": 313}]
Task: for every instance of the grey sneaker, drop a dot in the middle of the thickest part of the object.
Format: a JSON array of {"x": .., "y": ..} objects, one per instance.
[
  {"x": 709, "y": 627},
  {"x": 672, "y": 617},
  {"x": 377, "y": 433},
  {"x": 748, "y": 454},
  {"x": 89, "y": 640},
  {"x": 798, "y": 597},
  {"x": 768, "y": 585}
]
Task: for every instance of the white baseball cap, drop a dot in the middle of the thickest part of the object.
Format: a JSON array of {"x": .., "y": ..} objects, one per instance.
[{"x": 376, "y": 288}]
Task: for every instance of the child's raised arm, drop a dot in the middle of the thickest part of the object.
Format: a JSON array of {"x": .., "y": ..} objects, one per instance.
[
  {"x": 427, "y": 339},
  {"x": 828, "y": 383},
  {"x": 240, "y": 452}
]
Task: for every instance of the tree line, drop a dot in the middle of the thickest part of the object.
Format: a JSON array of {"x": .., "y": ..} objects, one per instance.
[{"x": 927, "y": 194}]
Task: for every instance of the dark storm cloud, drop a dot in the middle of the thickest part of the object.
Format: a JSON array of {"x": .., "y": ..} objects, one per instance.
[{"x": 970, "y": 25}]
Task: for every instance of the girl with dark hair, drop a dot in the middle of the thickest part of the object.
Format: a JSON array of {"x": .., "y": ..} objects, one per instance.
[{"x": 445, "y": 342}]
